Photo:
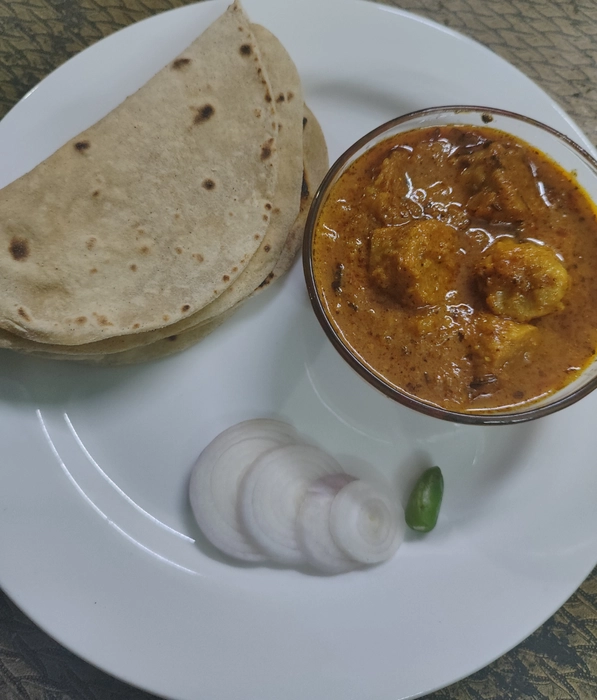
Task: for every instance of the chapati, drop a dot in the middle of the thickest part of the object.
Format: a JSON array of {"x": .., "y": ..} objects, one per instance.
[{"x": 154, "y": 211}]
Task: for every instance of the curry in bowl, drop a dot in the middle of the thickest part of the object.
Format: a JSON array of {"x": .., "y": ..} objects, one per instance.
[{"x": 457, "y": 263}]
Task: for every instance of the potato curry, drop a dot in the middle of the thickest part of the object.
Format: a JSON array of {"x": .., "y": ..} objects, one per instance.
[{"x": 459, "y": 264}]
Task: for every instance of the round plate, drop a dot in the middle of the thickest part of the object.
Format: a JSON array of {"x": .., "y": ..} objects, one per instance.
[{"x": 97, "y": 541}]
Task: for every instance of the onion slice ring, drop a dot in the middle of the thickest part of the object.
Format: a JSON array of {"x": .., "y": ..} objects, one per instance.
[
  {"x": 215, "y": 479},
  {"x": 313, "y": 526},
  {"x": 271, "y": 494},
  {"x": 366, "y": 524}
]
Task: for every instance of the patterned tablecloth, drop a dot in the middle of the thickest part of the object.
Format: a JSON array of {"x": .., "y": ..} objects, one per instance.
[{"x": 552, "y": 41}]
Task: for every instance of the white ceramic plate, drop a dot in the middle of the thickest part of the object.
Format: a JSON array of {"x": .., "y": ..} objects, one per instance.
[{"x": 97, "y": 543}]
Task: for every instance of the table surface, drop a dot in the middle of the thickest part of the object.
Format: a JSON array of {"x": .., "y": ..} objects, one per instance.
[{"x": 555, "y": 43}]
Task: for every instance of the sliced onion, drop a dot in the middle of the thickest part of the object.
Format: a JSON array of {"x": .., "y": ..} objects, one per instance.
[
  {"x": 213, "y": 488},
  {"x": 365, "y": 523},
  {"x": 313, "y": 526},
  {"x": 271, "y": 494}
]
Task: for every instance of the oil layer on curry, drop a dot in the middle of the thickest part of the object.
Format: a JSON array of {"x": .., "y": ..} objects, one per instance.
[{"x": 459, "y": 264}]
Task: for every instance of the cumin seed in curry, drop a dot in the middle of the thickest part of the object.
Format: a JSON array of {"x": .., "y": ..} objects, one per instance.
[{"x": 459, "y": 264}]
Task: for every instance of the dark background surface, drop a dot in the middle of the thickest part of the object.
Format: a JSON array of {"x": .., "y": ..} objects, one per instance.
[{"x": 555, "y": 43}]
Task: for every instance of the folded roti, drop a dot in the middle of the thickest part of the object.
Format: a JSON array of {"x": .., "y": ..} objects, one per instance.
[
  {"x": 152, "y": 213},
  {"x": 315, "y": 167},
  {"x": 287, "y": 92}
]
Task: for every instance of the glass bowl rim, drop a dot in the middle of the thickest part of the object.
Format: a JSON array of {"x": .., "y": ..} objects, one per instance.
[{"x": 392, "y": 392}]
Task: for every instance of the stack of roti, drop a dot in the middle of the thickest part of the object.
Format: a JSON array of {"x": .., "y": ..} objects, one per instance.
[{"x": 145, "y": 232}]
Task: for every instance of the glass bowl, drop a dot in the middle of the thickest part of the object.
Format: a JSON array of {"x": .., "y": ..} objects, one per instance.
[{"x": 570, "y": 156}]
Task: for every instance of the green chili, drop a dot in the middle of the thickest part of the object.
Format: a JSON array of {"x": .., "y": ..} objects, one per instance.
[{"x": 425, "y": 501}]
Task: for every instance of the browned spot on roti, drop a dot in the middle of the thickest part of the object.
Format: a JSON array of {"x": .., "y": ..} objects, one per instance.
[
  {"x": 267, "y": 248},
  {"x": 177, "y": 215},
  {"x": 266, "y": 149},
  {"x": 198, "y": 257},
  {"x": 276, "y": 210},
  {"x": 304, "y": 188},
  {"x": 268, "y": 206},
  {"x": 203, "y": 114},
  {"x": 91, "y": 242},
  {"x": 81, "y": 320},
  {"x": 304, "y": 122},
  {"x": 102, "y": 320},
  {"x": 246, "y": 50},
  {"x": 265, "y": 217},
  {"x": 267, "y": 280},
  {"x": 96, "y": 193},
  {"x": 19, "y": 248},
  {"x": 144, "y": 249},
  {"x": 23, "y": 313},
  {"x": 172, "y": 337},
  {"x": 235, "y": 269},
  {"x": 289, "y": 96},
  {"x": 82, "y": 146},
  {"x": 258, "y": 113},
  {"x": 181, "y": 63},
  {"x": 133, "y": 267},
  {"x": 166, "y": 317},
  {"x": 93, "y": 271},
  {"x": 136, "y": 325},
  {"x": 268, "y": 97},
  {"x": 185, "y": 308},
  {"x": 280, "y": 97},
  {"x": 225, "y": 278},
  {"x": 256, "y": 237},
  {"x": 208, "y": 184},
  {"x": 178, "y": 249}
]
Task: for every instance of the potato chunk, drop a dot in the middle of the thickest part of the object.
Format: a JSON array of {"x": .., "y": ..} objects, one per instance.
[
  {"x": 403, "y": 190},
  {"x": 387, "y": 196},
  {"x": 501, "y": 184},
  {"x": 416, "y": 263},
  {"x": 522, "y": 280},
  {"x": 495, "y": 341}
]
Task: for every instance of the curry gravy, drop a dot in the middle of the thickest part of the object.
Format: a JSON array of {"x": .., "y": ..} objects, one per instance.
[{"x": 459, "y": 264}]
